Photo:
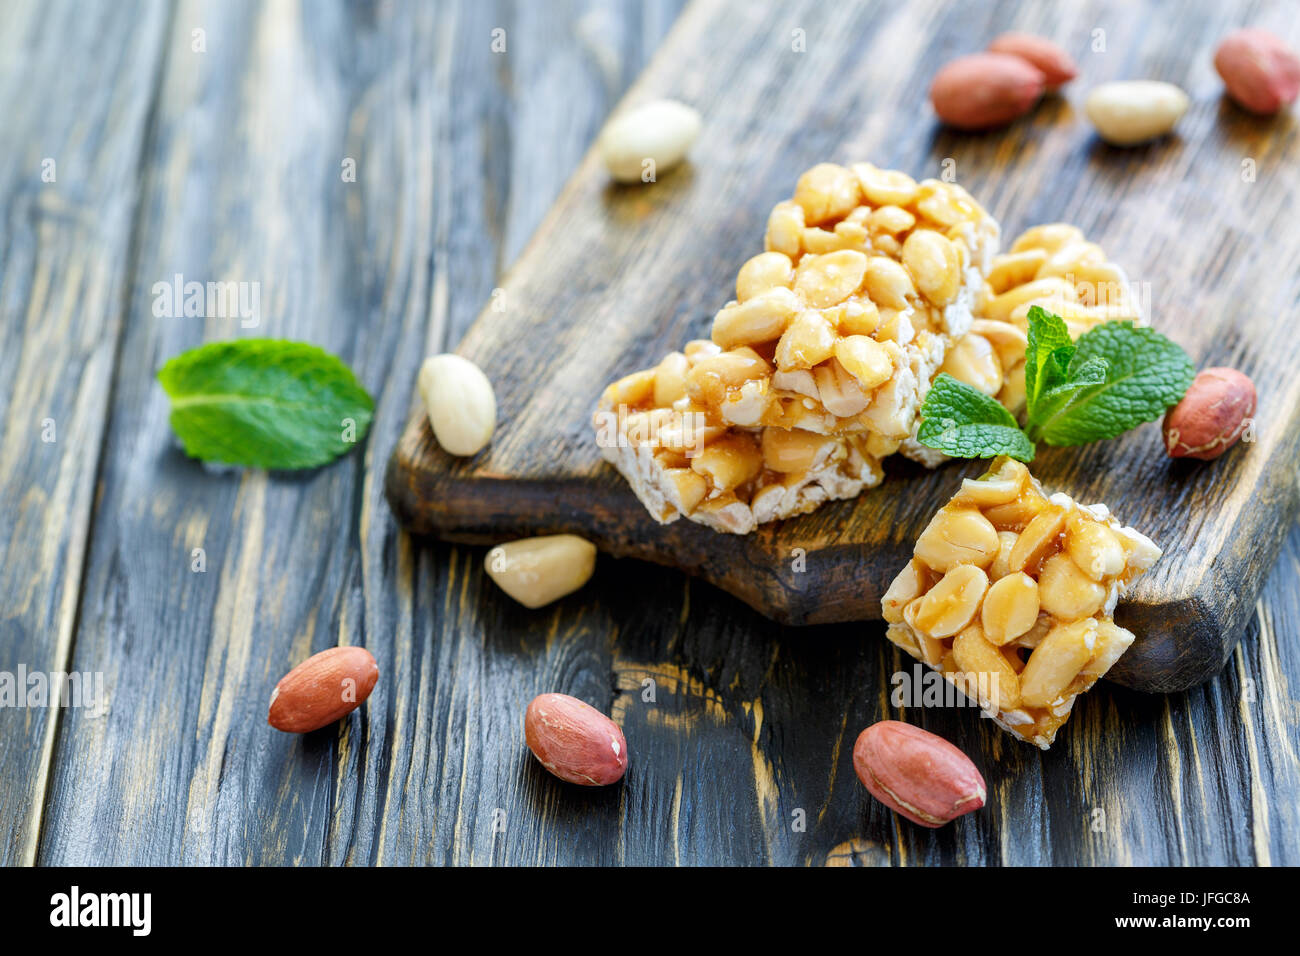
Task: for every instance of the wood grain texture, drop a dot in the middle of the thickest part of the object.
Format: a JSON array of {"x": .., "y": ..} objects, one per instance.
[
  {"x": 70, "y": 149},
  {"x": 617, "y": 276},
  {"x": 460, "y": 153},
  {"x": 242, "y": 182}
]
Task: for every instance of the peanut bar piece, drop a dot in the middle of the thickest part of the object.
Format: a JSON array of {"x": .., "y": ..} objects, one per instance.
[
  {"x": 680, "y": 460},
  {"x": 867, "y": 278},
  {"x": 1010, "y": 594}
]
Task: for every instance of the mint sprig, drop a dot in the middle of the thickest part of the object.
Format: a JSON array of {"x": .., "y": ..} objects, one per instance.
[
  {"x": 1120, "y": 376},
  {"x": 1115, "y": 377},
  {"x": 265, "y": 403}
]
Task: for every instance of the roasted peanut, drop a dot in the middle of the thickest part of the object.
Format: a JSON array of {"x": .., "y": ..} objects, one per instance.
[
  {"x": 917, "y": 774},
  {"x": 985, "y": 90},
  {"x": 575, "y": 741},
  {"x": 1212, "y": 416},
  {"x": 957, "y": 536},
  {"x": 1010, "y": 607},
  {"x": 951, "y": 604},
  {"x": 1258, "y": 69},
  {"x": 767, "y": 270},
  {"x": 1053, "y": 62}
]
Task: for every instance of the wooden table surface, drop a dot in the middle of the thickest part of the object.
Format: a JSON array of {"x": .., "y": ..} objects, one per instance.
[{"x": 144, "y": 140}]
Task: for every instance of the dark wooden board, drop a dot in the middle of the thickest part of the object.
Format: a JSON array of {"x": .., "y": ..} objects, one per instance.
[
  {"x": 617, "y": 276},
  {"x": 460, "y": 153}
]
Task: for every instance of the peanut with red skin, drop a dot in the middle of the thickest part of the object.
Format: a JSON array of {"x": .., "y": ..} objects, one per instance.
[
  {"x": 575, "y": 741},
  {"x": 1262, "y": 75},
  {"x": 985, "y": 90},
  {"x": 1055, "y": 64},
  {"x": 917, "y": 774},
  {"x": 1211, "y": 416},
  {"x": 322, "y": 689}
]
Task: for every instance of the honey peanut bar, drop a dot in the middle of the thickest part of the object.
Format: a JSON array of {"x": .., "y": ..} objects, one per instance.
[
  {"x": 867, "y": 277},
  {"x": 1010, "y": 594},
  {"x": 680, "y": 460}
]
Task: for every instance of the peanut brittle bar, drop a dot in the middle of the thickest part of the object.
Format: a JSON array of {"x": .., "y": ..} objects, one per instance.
[
  {"x": 680, "y": 461},
  {"x": 1010, "y": 594},
  {"x": 867, "y": 277}
]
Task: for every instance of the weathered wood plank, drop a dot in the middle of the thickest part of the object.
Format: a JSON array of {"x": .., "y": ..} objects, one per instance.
[
  {"x": 615, "y": 278},
  {"x": 70, "y": 148},
  {"x": 458, "y": 151}
]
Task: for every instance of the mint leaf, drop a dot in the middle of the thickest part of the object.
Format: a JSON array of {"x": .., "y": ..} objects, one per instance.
[
  {"x": 1047, "y": 357},
  {"x": 963, "y": 422},
  {"x": 1144, "y": 374},
  {"x": 265, "y": 403},
  {"x": 1077, "y": 376}
]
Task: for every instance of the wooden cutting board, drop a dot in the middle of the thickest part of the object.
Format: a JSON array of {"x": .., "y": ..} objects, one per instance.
[{"x": 618, "y": 275}]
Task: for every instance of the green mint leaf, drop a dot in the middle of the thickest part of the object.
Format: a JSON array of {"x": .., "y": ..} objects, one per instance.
[
  {"x": 1047, "y": 357},
  {"x": 963, "y": 422},
  {"x": 265, "y": 403},
  {"x": 1144, "y": 374},
  {"x": 1079, "y": 376},
  {"x": 1088, "y": 369}
]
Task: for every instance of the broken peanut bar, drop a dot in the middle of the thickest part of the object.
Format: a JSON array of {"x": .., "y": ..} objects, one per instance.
[
  {"x": 680, "y": 461},
  {"x": 867, "y": 277},
  {"x": 1010, "y": 594},
  {"x": 1052, "y": 266}
]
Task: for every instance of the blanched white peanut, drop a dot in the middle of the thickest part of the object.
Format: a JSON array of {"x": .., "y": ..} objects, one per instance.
[
  {"x": 840, "y": 392},
  {"x": 794, "y": 451},
  {"x": 888, "y": 283},
  {"x": 865, "y": 359},
  {"x": 1010, "y": 607},
  {"x": 1055, "y": 662},
  {"x": 904, "y": 589},
  {"x": 1066, "y": 592},
  {"x": 729, "y": 462},
  {"x": 975, "y": 655},
  {"x": 934, "y": 265},
  {"x": 1038, "y": 539},
  {"x": 460, "y": 403},
  {"x": 957, "y": 536},
  {"x": 1094, "y": 548},
  {"x": 1134, "y": 111},
  {"x": 758, "y": 319},
  {"x": 537, "y": 571},
  {"x": 785, "y": 227},
  {"x": 661, "y": 132},
  {"x": 826, "y": 191},
  {"x": 885, "y": 187},
  {"x": 762, "y": 272},
  {"x": 830, "y": 279},
  {"x": 1001, "y": 565},
  {"x": 808, "y": 341},
  {"x": 973, "y": 361},
  {"x": 951, "y": 604}
]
